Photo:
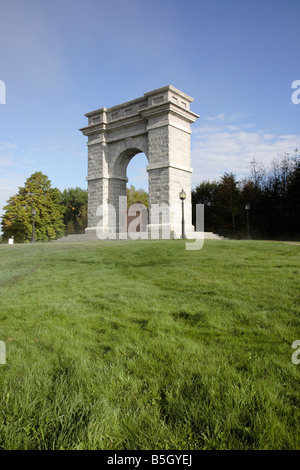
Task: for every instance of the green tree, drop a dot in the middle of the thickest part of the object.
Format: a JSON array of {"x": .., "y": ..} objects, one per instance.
[
  {"x": 274, "y": 198},
  {"x": 74, "y": 203},
  {"x": 205, "y": 193},
  {"x": 37, "y": 194},
  {"x": 227, "y": 206},
  {"x": 137, "y": 196}
]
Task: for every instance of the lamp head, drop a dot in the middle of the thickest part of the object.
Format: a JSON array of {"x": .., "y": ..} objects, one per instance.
[{"x": 182, "y": 195}]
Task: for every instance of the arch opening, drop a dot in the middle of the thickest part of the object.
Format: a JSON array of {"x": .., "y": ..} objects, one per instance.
[
  {"x": 136, "y": 172},
  {"x": 137, "y": 193}
]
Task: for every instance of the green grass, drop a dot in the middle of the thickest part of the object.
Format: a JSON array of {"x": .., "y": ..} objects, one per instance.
[{"x": 144, "y": 345}]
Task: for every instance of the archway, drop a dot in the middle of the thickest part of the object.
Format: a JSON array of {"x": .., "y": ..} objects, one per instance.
[{"x": 157, "y": 124}]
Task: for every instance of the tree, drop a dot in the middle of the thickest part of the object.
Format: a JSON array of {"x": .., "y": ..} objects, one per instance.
[
  {"x": 205, "y": 193},
  {"x": 274, "y": 197},
  {"x": 222, "y": 205},
  {"x": 37, "y": 194},
  {"x": 137, "y": 196},
  {"x": 227, "y": 205},
  {"x": 74, "y": 203}
]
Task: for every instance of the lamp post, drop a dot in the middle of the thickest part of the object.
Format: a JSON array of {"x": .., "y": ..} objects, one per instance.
[
  {"x": 33, "y": 213},
  {"x": 182, "y": 196},
  {"x": 247, "y": 208}
]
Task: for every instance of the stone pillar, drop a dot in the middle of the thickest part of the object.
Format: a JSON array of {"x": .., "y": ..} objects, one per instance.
[
  {"x": 169, "y": 168},
  {"x": 98, "y": 179},
  {"x": 117, "y": 189}
]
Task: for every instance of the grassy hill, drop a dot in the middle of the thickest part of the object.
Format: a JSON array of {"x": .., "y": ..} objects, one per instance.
[{"x": 145, "y": 345}]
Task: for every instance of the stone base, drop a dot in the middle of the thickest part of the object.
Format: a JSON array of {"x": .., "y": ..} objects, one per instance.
[
  {"x": 153, "y": 232},
  {"x": 170, "y": 232},
  {"x": 91, "y": 235}
]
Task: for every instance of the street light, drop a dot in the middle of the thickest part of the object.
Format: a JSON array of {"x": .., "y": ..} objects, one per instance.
[
  {"x": 182, "y": 196},
  {"x": 247, "y": 208},
  {"x": 33, "y": 213}
]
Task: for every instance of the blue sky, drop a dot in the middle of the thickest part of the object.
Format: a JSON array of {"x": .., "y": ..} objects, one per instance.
[{"x": 62, "y": 59}]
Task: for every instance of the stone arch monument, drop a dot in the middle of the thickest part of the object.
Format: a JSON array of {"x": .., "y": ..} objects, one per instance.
[{"x": 157, "y": 124}]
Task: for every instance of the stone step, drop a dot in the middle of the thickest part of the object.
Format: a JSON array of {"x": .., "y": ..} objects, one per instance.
[
  {"x": 93, "y": 237},
  {"x": 210, "y": 236}
]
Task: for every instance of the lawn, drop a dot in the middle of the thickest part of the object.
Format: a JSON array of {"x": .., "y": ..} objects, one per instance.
[{"x": 145, "y": 345}]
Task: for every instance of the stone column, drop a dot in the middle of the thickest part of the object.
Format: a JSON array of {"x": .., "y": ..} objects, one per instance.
[
  {"x": 169, "y": 153},
  {"x": 98, "y": 178}
]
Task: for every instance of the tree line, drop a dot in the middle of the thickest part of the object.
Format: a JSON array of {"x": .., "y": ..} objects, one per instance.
[
  {"x": 264, "y": 205},
  {"x": 269, "y": 198},
  {"x": 57, "y": 213}
]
